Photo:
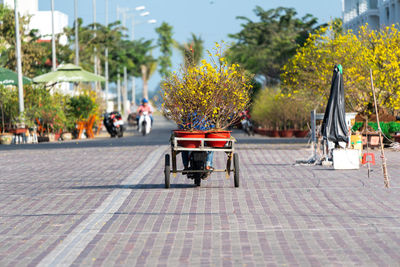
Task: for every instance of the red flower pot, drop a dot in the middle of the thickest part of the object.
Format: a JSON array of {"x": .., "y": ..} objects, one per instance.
[
  {"x": 260, "y": 131},
  {"x": 188, "y": 134},
  {"x": 301, "y": 133},
  {"x": 19, "y": 131},
  {"x": 275, "y": 133},
  {"x": 286, "y": 133},
  {"x": 218, "y": 134}
]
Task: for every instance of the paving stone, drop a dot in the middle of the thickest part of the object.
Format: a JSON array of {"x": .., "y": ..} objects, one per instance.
[{"x": 281, "y": 214}]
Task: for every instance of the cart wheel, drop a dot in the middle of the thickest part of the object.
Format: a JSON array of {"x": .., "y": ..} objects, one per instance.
[
  {"x": 167, "y": 171},
  {"x": 197, "y": 179},
  {"x": 236, "y": 168}
]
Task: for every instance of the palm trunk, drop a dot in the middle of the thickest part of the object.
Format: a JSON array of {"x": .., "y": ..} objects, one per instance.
[
  {"x": 145, "y": 81},
  {"x": 98, "y": 84}
]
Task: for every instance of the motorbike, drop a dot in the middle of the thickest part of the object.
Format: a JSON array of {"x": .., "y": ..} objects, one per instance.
[
  {"x": 247, "y": 126},
  {"x": 144, "y": 123},
  {"x": 114, "y": 124},
  {"x": 197, "y": 160},
  {"x": 132, "y": 119}
]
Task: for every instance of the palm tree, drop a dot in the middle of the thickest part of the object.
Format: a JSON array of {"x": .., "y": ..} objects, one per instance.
[
  {"x": 105, "y": 36},
  {"x": 192, "y": 51},
  {"x": 136, "y": 56},
  {"x": 147, "y": 69}
]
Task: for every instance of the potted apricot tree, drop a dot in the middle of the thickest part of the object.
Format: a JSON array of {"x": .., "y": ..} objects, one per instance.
[{"x": 206, "y": 97}]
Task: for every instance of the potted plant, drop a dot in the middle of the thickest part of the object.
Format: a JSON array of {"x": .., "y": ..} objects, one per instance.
[
  {"x": 206, "y": 97},
  {"x": 69, "y": 126},
  {"x": 79, "y": 109},
  {"x": 4, "y": 139},
  {"x": 9, "y": 112}
]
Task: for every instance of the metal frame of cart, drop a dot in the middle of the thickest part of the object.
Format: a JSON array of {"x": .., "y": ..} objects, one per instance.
[{"x": 232, "y": 157}]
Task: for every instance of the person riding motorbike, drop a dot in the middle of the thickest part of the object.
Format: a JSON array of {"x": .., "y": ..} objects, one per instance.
[
  {"x": 245, "y": 115},
  {"x": 144, "y": 107},
  {"x": 247, "y": 125},
  {"x": 200, "y": 125}
]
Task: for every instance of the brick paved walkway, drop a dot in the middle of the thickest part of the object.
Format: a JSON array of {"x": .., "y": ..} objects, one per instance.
[{"x": 106, "y": 206}]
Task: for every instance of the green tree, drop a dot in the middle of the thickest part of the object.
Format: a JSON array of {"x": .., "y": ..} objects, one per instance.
[
  {"x": 91, "y": 40},
  {"x": 165, "y": 42},
  {"x": 33, "y": 53},
  {"x": 192, "y": 51},
  {"x": 264, "y": 46},
  {"x": 136, "y": 57}
]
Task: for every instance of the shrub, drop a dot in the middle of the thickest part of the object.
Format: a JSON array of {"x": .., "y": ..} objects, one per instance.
[
  {"x": 387, "y": 127},
  {"x": 394, "y": 127},
  {"x": 8, "y": 106},
  {"x": 308, "y": 74},
  {"x": 272, "y": 109},
  {"x": 81, "y": 107}
]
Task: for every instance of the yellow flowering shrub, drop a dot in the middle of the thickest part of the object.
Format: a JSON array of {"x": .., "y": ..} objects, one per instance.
[
  {"x": 308, "y": 74},
  {"x": 212, "y": 93}
]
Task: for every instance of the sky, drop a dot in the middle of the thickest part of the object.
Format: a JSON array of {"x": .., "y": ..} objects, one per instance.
[{"x": 213, "y": 20}]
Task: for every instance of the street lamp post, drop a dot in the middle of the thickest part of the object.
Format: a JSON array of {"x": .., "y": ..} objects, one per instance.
[
  {"x": 119, "y": 91},
  {"x": 94, "y": 28},
  {"x": 125, "y": 92},
  {"x": 125, "y": 100},
  {"x": 53, "y": 39},
  {"x": 125, "y": 82},
  {"x": 123, "y": 11},
  {"x": 76, "y": 34},
  {"x": 19, "y": 63},
  {"x": 106, "y": 62},
  {"x": 140, "y": 8}
]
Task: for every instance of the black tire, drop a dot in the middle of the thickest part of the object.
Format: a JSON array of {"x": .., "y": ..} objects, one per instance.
[
  {"x": 120, "y": 132},
  {"x": 144, "y": 124},
  {"x": 197, "y": 179},
  {"x": 236, "y": 169},
  {"x": 167, "y": 171}
]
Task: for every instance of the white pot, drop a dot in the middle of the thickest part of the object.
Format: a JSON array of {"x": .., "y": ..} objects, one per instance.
[
  {"x": 6, "y": 138},
  {"x": 66, "y": 136}
]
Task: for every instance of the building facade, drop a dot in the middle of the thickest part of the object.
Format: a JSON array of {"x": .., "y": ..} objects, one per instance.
[
  {"x": 41, "y": 20},
  {"x": 377, "y": 13}
]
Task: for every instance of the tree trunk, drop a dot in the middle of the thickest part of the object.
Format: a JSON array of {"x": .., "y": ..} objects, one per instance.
[
  {"x": 98, "y": 84},
  {"x": 145, "y": 81},
  {"x": 2, "y": 119}
]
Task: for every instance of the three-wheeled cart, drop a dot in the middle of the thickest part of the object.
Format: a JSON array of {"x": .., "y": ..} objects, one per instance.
[{"x": 197, "y": 159}]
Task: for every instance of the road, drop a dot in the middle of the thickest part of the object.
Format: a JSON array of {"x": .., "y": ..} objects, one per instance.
[{"x": 103, "y": 203}]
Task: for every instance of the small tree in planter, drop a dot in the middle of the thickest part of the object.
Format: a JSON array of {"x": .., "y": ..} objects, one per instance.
[
  {"x": 10, "y": 106},
  {"x": 209, "y": 95},
  {"x": 80, "y": 108},
  {"x": 4, "y": 100},
  {"x": 7, "y": 109}
]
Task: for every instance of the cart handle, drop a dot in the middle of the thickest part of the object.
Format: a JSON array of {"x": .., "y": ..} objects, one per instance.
[{"x": 202, "y": 140}]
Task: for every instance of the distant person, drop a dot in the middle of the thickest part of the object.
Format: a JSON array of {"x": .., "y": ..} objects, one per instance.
[{"x": 144, "y": 107}]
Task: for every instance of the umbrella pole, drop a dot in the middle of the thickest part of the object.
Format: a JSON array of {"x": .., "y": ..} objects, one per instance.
[
  {"x": 384, "y": 168},
  {"x": 366, "y": 135}
]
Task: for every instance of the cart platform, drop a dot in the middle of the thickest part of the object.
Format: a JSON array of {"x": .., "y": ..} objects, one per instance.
[{"x": 198, "y": 173}]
